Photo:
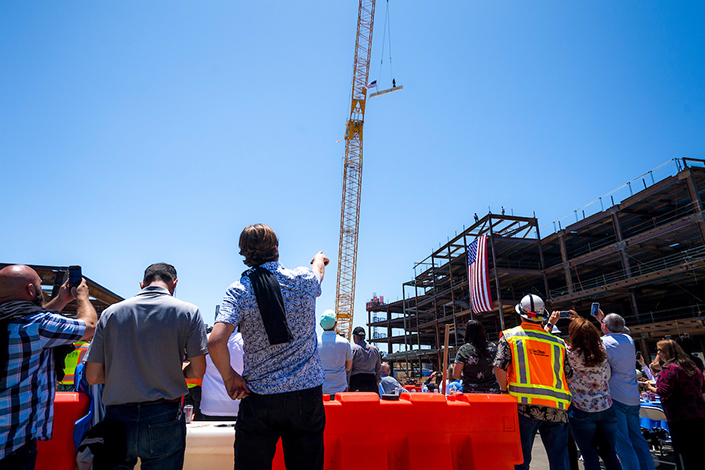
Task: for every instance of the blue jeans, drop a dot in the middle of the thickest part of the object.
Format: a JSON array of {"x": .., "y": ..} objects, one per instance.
[
  {"x": 155, "y": 432},
  {"x": 595, "y": 434},
  {"x": 632, "y": 448},
  {"x": 554, "y": 437}
]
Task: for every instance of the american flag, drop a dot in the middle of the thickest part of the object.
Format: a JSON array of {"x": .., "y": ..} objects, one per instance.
[
  {"x": 372, "y": 84},
  {"x": 479, "y": 276}
]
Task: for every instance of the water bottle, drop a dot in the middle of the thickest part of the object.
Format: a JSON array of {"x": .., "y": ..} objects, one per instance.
[{"x": 424, "y": 388}]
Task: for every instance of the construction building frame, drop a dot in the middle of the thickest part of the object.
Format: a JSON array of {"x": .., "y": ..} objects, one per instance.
[{"x": 642, "y": 257}]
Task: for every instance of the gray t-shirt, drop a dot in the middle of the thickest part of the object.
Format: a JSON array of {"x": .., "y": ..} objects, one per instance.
[
  {"x": 366, "y": 360},
  {"x": 141, "y": 341}
]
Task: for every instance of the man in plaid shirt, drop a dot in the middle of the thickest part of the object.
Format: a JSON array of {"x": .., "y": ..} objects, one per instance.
[{"x": 30, "y": 330}]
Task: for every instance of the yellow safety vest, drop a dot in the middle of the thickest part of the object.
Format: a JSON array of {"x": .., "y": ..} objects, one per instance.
[
  {"x": 72, "y": 360},
  {"x": 190, "y": 383},
  {"x": 536, "y": 375}
]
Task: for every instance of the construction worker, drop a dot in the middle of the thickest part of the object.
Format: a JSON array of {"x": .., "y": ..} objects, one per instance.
[
  {"x": 77, "y": 356},
  {"x": 532, "y": 365}
]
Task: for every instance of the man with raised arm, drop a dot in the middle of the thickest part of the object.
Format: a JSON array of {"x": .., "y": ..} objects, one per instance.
[
  {"x": 138, "y": 352},
  {"x": 274, "y": 309},
  {"x": 632, "y": 449},
  {"x": 29, "y": 331}
]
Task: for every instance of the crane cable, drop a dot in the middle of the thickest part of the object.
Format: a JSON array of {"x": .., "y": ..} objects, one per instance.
[{"x": 387, "y": 29}]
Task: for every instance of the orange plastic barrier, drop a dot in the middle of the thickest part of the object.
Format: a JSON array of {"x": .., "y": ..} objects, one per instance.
[
  {"x": 420, "y": 431},
  {"x": 60, "y": 453}
]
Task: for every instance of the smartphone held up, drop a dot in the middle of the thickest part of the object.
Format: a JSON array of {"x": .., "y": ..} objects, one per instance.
[
  {"x": 75, "y": 276},
  {"x": 594, "y": 308}
]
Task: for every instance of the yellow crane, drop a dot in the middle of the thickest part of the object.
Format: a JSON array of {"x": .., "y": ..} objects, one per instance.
[{"x": 352, "y": 172}]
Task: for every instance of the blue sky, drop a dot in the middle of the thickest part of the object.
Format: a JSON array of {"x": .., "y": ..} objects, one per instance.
[{"x": 139, "y": 132}]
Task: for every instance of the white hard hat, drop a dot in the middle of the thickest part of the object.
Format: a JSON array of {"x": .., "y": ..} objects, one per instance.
[{"x": 531, "y": 308}]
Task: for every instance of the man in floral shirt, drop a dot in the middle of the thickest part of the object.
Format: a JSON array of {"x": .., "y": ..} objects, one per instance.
[
  {"x": 280, "y": 387},
  {"x": 539, "y": 407}
]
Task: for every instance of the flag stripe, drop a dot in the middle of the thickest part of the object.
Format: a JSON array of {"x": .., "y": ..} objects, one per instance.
[{"x": 479, "y": 276}]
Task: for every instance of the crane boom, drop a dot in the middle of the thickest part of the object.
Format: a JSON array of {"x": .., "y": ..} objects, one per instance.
[{"x": 352, "y": 172}]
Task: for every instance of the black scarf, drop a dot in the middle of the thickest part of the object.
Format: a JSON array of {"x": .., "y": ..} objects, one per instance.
[
  {"x": 270, "y": 303},
  {"x": 21, "y": 308}
]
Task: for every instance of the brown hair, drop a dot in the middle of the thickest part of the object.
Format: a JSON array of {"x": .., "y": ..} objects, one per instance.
[
  {"x": 584, "y": 336},
  {"x": 259, "y": 244},
  {"x": 673, "y": 353}
]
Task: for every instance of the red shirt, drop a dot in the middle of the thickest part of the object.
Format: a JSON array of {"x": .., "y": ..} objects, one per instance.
[{"x": 681, "y": 394}]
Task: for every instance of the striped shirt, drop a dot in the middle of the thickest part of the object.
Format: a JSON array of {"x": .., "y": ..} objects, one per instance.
[{"x": 27, "y": 389}]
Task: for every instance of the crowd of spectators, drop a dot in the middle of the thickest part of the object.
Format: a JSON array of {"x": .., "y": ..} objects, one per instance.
[{"x": 264, "y": 367}]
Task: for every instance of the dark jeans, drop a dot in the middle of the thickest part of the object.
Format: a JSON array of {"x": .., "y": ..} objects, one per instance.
[
  {"x": 363, "y": 383},
  {"x": 298, "y": 418},
  {"x": 554, "y": 437},
  {"x": 596, "y": 435},
  {"x": 688, "y": 437},
  {"x": 23, "y": 458},
  {"x": 155, "y": 432}
]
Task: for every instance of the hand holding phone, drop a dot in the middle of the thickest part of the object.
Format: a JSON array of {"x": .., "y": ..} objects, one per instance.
[
  {"x": 75, "y": 276},
  {"x": 594, "y": 308}
]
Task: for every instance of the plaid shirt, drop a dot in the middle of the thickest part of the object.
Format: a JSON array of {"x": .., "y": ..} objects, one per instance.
[{"x": 27, "y": 389}]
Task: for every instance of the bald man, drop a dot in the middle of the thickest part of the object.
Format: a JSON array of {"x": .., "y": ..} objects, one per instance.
[{"x": 29, "y": 331}]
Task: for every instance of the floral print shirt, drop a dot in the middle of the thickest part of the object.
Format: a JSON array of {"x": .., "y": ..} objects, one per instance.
[
  {"x": 478, "y": 372},
  {"x": 279, "y": 368},
  {"x": 590, "y": 387}
]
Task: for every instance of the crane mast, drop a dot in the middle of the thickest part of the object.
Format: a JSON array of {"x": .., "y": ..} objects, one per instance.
[{"x": 352, "y": 172}]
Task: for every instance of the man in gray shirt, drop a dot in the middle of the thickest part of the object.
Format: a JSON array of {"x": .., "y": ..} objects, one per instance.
[
  {"x": 138, "y": 352},
  {"x": 366, "y": 372}
]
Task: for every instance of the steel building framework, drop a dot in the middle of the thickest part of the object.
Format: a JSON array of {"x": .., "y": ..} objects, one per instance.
[{"x": 643, "y": 257}]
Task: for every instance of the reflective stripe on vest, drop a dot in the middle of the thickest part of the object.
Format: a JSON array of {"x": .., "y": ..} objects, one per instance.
[
  {"x": 194, "y": 382},
  {"x": 72, "y": 360},
  {"x": 537, "y": 376}
]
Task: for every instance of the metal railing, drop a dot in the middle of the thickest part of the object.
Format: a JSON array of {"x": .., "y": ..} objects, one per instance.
[
  {"x": 663, "y": 171},
  {"x": 628, "y": 232},
  {"x": 636, "y": 269},
  {"x": 678, "y": 313}
]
